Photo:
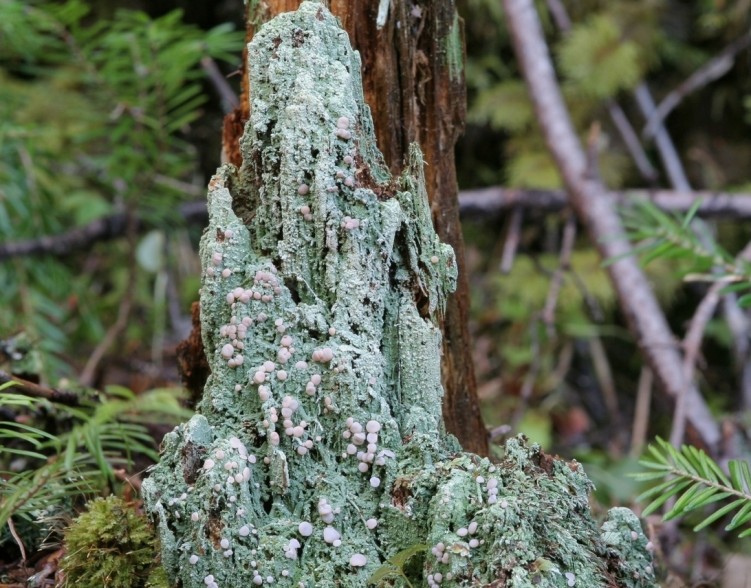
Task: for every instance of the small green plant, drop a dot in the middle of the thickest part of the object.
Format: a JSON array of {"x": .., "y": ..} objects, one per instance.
[
  {"x": 696, "y": 481},
  {"x": 394, "y": 567},
  {"x": 110, "y": 545},
  {"x": 53, "y": 456},
  {"x": 663, "y": 235}
]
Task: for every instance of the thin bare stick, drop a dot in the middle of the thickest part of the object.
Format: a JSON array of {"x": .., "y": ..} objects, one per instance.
[
  {"x": 103, "y": 229},
  {"x": 511, "y": 243},
  {"x": 605, "y": 379},
  {"x": 564, "y": 263},
  {"x": 560, "y": 15},
  {"x": 631, "y": 141},
  {"x": 691, "y": 346},
  {"x": 714, "y": 69},
  {"x": 665, "y": 147},
  {"x": 528, "y": 385},
  {"x": 486, "y": 202},
  {"x": 738, "y": 322},
  {"x": 480, "y": 203},
  {"x": 636, "y": 298},
  {"x": 38, "y": 391},
  {"x": 133, "y": 481},
  {"x": 17, "y": 538},
  {"x": 123, "y": 313},
  {"x": 641, "y": 411},
  {"x": 217, "y": 79}
]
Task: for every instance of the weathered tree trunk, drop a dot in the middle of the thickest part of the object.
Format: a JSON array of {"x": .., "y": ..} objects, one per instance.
[
  {"x": 318, "y": 457},
  {"x": 413, "y": 79}
]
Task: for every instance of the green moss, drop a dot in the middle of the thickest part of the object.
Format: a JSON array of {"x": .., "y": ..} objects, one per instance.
[{"x": 109, "y": 546}]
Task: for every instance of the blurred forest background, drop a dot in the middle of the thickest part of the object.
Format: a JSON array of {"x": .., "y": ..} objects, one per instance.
[{"x": 110, "y": 126}]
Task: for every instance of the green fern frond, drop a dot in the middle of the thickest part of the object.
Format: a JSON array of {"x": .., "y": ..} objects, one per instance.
[
  {"x": 394, "y": 567},
  {"x": 81, "y": 460},
  {"x": 695, "y": 480}
]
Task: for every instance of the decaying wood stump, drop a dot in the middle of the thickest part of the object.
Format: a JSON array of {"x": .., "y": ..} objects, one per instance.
[
  {"x": 413, "y": 81},
  {"x": 318, "y": 452}
]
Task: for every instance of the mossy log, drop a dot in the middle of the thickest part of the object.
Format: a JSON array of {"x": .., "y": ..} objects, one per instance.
[{"x": 318, "y": 453}]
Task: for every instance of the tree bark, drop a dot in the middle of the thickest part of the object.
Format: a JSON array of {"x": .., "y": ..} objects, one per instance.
[{"x": 413, "y": 80}]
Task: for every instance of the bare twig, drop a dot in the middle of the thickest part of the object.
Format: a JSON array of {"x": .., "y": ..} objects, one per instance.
[
  {"x": 631, "y": 141},
  {"x": 714, "y": 69},
  {"x": 217, "y": 79},
  {"x": 103, "y": 229},
  {"x": 480, "y": 203},
  {"x": 665, "y": 147},
  {"x": 38, "y": 391},
  {"x": 123, "y": 313},
  {"x": 17, "y": 538},
  {"x": 511, "y": 243},
  {"x": 560, "y": 15},
  {"x": 528, "y": 385},
  {"x": 487, "y": 202},
  {"x": 133, "y": 480},
  {"x": 604, "y": 374},
  {"x": 691, "y": 346},
  {"x": 564, "y": 263},
  {"x": 641, "y": 412},
  {"x": 738, "y": 323},
  {"x": 635, "y": 295}
]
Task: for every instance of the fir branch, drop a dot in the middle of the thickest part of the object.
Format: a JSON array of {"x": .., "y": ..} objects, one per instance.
[{"x": 696, "y": 481}]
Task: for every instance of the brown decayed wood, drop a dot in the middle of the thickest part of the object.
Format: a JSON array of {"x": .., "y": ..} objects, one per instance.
[
  {"x": 191, "y": 359},
  {"x": 413, "y": 97}
]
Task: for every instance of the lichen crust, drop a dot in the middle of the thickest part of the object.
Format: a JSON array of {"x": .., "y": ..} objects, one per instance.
[{"x": 318, "y": 451}]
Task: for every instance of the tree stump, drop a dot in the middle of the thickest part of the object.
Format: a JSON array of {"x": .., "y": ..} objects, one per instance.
[{"x": 318, "y": 456}]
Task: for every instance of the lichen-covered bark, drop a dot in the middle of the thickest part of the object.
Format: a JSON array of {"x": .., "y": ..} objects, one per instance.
[
  {"x": 318, "y": 451},
  {"x": 414, "y": 83}
]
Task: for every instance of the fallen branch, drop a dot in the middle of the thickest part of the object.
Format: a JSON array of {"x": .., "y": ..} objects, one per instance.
[
  {"x": 37, "y": 391},
  {"x": 102, "y": 229},
  {"x": 489, "y": 202},
  {"x": 480, "y": 203},
  {"x": 598, "y": 214}
]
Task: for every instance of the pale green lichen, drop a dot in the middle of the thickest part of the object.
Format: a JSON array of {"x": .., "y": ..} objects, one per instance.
[{"x": 323, "y": 447}]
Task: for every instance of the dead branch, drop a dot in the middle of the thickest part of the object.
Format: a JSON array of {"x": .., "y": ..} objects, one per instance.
[
  {"x": 665, "y": 145},
  {"x": 513, "y": 237},
  {"x": 490, "y": 202},
  {"x": 81, "y": 238},
  {"x": 123, "y": 314},
  {"x": 480, "y": 203},
  {"x": 598, "y": 214},
  {"x": 217, "y": 79},
  {"x": 714, "y": 69},
  {"x": 28, "y": 388}
]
